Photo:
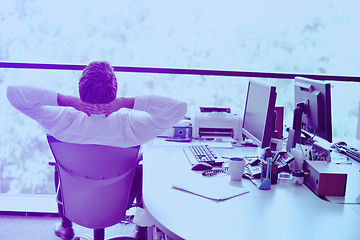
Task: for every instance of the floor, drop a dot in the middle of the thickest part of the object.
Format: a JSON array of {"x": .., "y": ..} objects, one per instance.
[{"x": 42, "y": 227}]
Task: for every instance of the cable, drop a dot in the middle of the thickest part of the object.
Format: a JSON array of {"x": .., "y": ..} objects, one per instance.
[{"x": 214, "y": 172}]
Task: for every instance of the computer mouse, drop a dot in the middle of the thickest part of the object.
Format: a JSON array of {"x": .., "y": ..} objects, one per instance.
[
  {"x": 338, "y": 144},
  {"x": 342, "y": 143},
  {"x": 201, "y": 167}
]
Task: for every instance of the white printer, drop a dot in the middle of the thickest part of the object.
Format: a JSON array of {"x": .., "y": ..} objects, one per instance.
[{"x": 215, "y": 121}]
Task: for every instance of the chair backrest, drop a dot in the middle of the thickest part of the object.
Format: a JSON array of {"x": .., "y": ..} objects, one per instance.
[{"x": 95, "y": 181}]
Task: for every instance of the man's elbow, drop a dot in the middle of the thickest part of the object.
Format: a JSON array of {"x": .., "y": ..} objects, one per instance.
[
  {"x": 180, "y": 112},
  {"x": 11, "y": 94},
  {"x": 182, "y": 109}
]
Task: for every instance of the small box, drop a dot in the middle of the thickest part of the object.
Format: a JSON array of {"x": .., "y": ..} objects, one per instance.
[{"x": 324, "y": 178}]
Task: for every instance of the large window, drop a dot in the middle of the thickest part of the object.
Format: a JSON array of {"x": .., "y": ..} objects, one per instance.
[
  {"x": 317, "y": 37},
  {"x": 279, "y": 35}
]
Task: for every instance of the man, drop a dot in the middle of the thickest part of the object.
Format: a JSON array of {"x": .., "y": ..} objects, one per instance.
[{"x": 97, "y": 117}]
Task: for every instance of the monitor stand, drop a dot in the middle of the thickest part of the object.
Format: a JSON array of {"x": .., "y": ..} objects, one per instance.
[{"x": 294, "y": 136}]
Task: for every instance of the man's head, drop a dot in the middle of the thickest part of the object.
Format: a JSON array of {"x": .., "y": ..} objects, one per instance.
[{"x": 98, "y": 83}]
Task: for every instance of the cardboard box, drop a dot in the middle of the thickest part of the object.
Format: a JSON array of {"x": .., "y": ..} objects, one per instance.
[{"x": 324, "y": 178}]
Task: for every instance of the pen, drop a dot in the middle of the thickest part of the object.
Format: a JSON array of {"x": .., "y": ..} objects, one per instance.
[{"x": 275, "y": 157}]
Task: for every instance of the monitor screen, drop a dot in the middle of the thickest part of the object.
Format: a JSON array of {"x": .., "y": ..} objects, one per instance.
[
  {"x": 259, "y": 115},
  {"x": 316, "y": 98}
]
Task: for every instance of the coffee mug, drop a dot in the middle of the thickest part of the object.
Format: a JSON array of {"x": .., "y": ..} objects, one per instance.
[{"x": 236, "y": 166}]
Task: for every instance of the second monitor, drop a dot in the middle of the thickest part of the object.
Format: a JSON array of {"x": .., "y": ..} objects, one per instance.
[
  {"x": 312, "y": 113},
  {"x": 259, "y": 113}
]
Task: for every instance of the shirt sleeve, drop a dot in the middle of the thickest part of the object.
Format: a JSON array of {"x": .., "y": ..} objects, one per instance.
[
  {"x": 161, "y": 114},
  {"x": 39, "y": 104},
  {"x": 29, "y": 98},
  {"x": 166, "y": 110}
]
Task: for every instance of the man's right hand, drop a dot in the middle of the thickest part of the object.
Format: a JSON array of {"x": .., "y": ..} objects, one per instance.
[
  {"x": 113, "y": 106},
  {"x": 88, "y": 109}
]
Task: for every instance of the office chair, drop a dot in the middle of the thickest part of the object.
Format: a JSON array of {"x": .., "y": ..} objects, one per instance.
[{"x": 95, "y": 183}]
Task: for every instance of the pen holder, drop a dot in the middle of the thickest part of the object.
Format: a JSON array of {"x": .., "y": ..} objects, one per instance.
[{"x": 274, "y": 171}]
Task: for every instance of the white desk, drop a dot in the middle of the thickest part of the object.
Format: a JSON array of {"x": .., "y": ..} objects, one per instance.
[{"x": 280, "y": 213}]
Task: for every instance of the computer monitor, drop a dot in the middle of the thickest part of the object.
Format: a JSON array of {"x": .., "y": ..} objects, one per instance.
[
  {"x": 312, "y": 113},
  {"x": 259, "y": 114},
  {"x": 358, "y": 126}
]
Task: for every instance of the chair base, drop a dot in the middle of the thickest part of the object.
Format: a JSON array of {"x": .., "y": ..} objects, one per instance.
[
  {"x": 114, "y": 238},
  {"x": 99, "y": 234},
  {"x": 140, "y": 233},
  {"x": 122, "y": 238}
]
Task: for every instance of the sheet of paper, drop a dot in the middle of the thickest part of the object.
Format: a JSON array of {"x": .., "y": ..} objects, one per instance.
[
  {"x": 221, "y": 193},
  {"x": 215, "y": 144},
  {"x": 163, "y": 142}
]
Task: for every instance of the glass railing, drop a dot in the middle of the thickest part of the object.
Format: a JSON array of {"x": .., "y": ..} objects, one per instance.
[{"x": 24, "y": 153}]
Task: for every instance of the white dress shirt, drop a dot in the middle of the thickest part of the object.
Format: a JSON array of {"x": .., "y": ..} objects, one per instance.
[{"x": 151, "y": 116}]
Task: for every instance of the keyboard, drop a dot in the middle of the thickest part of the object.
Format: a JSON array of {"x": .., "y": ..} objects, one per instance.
[
  {"x": 202, "y": 153},
  {"x": 351, "y": 152}
]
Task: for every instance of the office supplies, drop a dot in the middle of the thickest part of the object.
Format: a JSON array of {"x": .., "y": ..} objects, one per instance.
[
  {"x": 250, "y": 177},
  {"x": 254, "y": 161},
  {"x": 215, "y": 144},
  {"x": 285, "y": 159},
  {"x": 298, "y": 177},
  {"x": 259, "y": 114},
  {"x": 215, "y": 122},
  {"x": 205, "y": 139},
  {"x": 254, "y": 171},
  {"x": 351, "y": 152},
  {"x": 178, "y": 139},
  {"x": 285, "y": 179},
  {"x": 208, "y": 191},
  {"x": 324, "y": 178},
  {"x": 319, "y": 153},
  {"x": 342, "y": 160},
  {"x": 202, "y": 153},
  {"x": 312, "y": 113},
  {"x": 277, "y": 154},
  {"x": 266, "y": 184},
  {"x": 274, "y": 171}
]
